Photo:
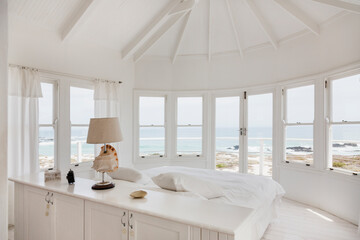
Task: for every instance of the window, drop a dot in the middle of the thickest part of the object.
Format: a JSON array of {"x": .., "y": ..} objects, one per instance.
[
  {"x": 227, "y": 125},
  {"x": 189, "y": 126},
  {"x": 344, "y": 124},
  {"x": 47, "y": 116},
  {"x": 152, "y": 126},
  {"x": 299, "y": 124},
  {"x": 259, "y": 133},
  {"x": 81, "y": 110}
]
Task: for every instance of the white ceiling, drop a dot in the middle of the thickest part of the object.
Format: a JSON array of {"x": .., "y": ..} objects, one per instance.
[{"x": 209, "y": 26}]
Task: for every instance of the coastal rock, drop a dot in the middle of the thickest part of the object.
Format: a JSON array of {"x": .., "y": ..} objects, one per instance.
[{"x": 300, "y": 149}]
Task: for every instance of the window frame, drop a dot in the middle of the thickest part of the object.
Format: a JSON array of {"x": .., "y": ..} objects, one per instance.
[
  {"x": 286, "y": 124},
  {"x": 203, "y": 125},
  {"x": 328, "y": 83},
  {"x": 55, "y": 118},
  {"x": 80, "y": 166},
  {"x": 138, "y": 126}
]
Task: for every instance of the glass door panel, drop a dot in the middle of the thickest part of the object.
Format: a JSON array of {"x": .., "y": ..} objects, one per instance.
[
  {"x": 227, "y": 127},
  {"x": 259, "y": 134}
]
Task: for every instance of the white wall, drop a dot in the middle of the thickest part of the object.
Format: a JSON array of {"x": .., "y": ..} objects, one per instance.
[
  {"x": 338, "y": 45},
  {"x": 3, "y": 119}
]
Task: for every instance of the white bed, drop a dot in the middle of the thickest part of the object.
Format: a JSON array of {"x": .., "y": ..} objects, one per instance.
[{"x": 260, "y": 193}]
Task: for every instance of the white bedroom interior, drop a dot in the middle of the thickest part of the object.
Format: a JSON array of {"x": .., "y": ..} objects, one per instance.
[{"x": 243, "y": 87}]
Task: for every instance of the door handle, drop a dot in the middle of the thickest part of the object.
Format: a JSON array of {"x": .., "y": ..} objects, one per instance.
[
  {"x": 51, "y": 200},
  {"x": 122, "y": 221},
  {"x": 130, "y": 224},
  {"x": 46, "y": 198}
]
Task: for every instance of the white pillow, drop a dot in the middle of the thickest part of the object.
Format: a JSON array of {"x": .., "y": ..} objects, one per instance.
[
  {"x": 130, "y": 175},
  {"x": 185, "y": 183}
]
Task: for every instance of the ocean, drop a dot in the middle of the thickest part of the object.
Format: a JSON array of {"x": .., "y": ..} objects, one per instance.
[{"x": 189, "y": 140}]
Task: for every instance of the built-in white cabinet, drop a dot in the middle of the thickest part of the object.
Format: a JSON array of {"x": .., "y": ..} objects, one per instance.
[
  {"x": 104, "y": 222},
  {"x": 45, "y": 215},
  {"x": 52, "y": 216},
  {"x": 143, "y": 227}
]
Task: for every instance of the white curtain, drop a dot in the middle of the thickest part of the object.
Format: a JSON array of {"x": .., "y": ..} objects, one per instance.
[
  {"x": 24, "y": 91},
  {"x": 107, "y": 97}
]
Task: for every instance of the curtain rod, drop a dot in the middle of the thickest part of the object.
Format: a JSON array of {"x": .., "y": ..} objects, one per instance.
[{"x": 62, "y": 74}]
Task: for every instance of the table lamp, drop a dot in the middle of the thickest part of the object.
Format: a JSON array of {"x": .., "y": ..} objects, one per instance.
[{"x": 103, "y": 131}]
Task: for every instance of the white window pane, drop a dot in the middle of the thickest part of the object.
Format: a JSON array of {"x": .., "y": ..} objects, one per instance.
[
  {"x": 346, "y": 147},
  {"x": 152, "y": 110},
  {"x": 46, "y": 104},
  {"x": 300, "y": 104},
  {"x": 46, "y": 147},
  {"x": 80, "y": 150},
  {"x": 299, "y": 144},
  {"x": 189, "y": 140},
  {"x": 346, "y": 99},
  {"x": 190, "y": 110},
  {"x": 260, "y": 116},
  {"x": 81, "y": 105},
  {"x": 227, "y": 133},
  {"x": 152, "y": 141}
]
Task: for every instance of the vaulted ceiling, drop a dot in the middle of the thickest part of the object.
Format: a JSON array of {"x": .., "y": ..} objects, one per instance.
[{"x": 171, "y": 28}]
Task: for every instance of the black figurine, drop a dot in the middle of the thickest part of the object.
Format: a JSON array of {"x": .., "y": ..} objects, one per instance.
[{"x": 70, "y": 177}]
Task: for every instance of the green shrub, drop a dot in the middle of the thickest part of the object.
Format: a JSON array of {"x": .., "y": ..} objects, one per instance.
[
  {"x": 221, "y": 165},
  {"x": 338, "y": 164}
]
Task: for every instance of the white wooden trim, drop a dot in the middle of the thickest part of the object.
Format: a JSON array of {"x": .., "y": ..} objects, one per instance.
[
  {"x": 262, "y": 22},
  {"x": 236, "y": 33},
  {"x": 155, "y": 23},
  {"x": 351, "y": 7},
  {"x": 210, "y": 32},
  {"x": 157, "y": 35},
  {"x": 299, "y": 15},
  {"x": 181, "y": 35},
  {"x": 78, "y": 19}
]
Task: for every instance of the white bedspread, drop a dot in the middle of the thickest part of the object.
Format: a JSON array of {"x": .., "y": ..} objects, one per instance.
[{"x": 244, "y": 190}]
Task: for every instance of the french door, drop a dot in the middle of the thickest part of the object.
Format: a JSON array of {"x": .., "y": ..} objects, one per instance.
[
  {"x": 258, "y": 140},
  {"x": 243, "y": 128}
]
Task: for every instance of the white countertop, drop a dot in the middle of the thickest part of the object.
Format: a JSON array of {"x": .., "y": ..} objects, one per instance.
[{"x": 218, "y": 217}]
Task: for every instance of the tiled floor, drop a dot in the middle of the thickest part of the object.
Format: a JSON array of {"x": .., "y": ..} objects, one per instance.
[{"x": 301, "y": 222}]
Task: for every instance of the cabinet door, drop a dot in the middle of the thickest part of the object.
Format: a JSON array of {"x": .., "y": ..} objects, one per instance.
[
  {"x": 68, "y": 217},
  {"x": 37, "y": 224},
  {"x": 105, "y": 223},
  {"x": 144, "y": 227}
]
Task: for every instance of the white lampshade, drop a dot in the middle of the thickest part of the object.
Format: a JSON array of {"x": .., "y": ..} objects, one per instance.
[{"x": 104, "y": 130}]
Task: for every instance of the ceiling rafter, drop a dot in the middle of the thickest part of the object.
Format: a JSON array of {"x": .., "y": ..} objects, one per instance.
[
  {"x": 262, "y": 22},
  {"x": 184, "y": 6},
  {"x": 351, "y": 7},
  {"x": 181, "y": 35},
  {"x": 299, "y": 15},
  {"x": 155, "y": 23},
  {"x": 236, "y": 33},
  {"x": 78, "y": 19},
  {"x": 172, "y": 20},
  {"x": 210, "y": 33}
]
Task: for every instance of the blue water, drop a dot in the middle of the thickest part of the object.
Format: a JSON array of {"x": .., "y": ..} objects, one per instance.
[{"x": 152, "y": 140}]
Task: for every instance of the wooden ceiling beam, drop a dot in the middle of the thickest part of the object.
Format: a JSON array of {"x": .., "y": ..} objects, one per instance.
[
  {"x": 299, "y": 15},
  {"x": 181, "y": 35},
  {"x": 184, "y": 6},
  {"x": 236, "y": 33},
  {"x": 78, "y": 19},
  {"x": 144, "y": 35},
  {"x": 210, "y": 33},
  {"x": 172, "y": 20},
  {"x": 262, "y": 22},
  {"x": 351, "y": 7}
]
